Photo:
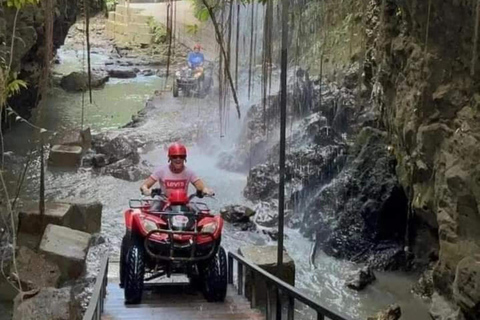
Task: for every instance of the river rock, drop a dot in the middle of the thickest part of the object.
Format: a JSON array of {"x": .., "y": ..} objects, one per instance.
[
  {"x": 65, "y": 156},
  {"x": 78, "y": 81},
  {"x": 442, "y": 309},
  {"x": 115, "y": 148},
  {"x": 393, "y": 312},
  {"x": 266, "y": 258},
  {"x": 67, "y": 248},
  {"x": 126, "y": 169},
  {"x": 48, "y": 304},
  {"x": 361, "y": 278},
  {"x": 122, "y": 73},
  {"x": 236, "y": 213},
  {"x": 266, "y": 213},
  {"x": 35, "y": 268},
  {"x": 466, "y": 286},
  {"x": 424, "y": 286}
]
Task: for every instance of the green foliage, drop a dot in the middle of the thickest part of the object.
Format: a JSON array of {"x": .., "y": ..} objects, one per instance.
[
  {"x": 111, "y": 4},
  {"x": 158, "y": 30},
  {"x": 192, "y": 29},
  {"x": 19, "y": 4},
  {"x": 14, "y": 86}
]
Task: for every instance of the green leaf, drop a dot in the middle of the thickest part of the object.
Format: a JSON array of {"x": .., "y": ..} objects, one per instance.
[{"x": 203, "y": 15}]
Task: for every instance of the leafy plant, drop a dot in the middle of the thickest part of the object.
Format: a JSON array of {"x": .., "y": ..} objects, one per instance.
[
  {"x": 192, "y": 29},
  {"x": 158, "y": 30},
  {"x": 18, "y": 4}
]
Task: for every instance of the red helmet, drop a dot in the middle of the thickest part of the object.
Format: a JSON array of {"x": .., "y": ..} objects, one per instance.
[
  {"x": 178, "y": 197},
  {"x": 177, "y": 149},
  {"x": 197, "y": 46}
]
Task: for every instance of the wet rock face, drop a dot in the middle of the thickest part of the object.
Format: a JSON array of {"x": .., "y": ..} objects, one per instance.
[
  {"x": 435, "y": 121},
  {"x": 361, "y": 214},
  {"x": 28, "y": 53}
]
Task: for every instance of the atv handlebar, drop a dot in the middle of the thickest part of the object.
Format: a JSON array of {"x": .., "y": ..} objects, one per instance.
[{"x": 198, "y": 194}]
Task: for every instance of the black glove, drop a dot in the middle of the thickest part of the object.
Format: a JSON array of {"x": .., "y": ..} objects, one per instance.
[
  {"x": 199, "y": 194},
  {"x": 156, "y": 192}
]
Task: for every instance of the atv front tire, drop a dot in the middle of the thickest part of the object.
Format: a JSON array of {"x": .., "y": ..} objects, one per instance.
[
  {"x": 134, "y": 274},
  {"x": 215, "y": 277},
  {"x": 123, "y": 254}
]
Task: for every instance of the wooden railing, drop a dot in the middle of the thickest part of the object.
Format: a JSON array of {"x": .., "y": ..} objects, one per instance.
[
  {"x": 95, "y": 307},
  {"x": 281, "y": 288}
]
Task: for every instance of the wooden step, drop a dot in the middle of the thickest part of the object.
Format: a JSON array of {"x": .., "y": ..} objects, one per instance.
[{"x": 176, "y": 302}]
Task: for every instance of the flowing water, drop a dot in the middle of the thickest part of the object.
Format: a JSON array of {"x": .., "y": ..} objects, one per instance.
[{"x": 114, "y": 105}]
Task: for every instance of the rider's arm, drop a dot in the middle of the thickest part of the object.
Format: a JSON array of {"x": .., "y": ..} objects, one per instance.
[{"x": 145, "y": 188}]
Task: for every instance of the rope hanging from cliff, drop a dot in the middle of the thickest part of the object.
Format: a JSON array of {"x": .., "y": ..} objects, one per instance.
[
  {"x": 86, "y": 7},
  {"x": 169, "y": 35},
  {"x": 475, "y": 38},
  {"x": 224, "y": 54}
]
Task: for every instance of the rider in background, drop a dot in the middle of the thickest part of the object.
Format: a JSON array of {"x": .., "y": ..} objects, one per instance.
[
  {"x": 196, "y": 58},
  {"x": 175, "y": 175}
]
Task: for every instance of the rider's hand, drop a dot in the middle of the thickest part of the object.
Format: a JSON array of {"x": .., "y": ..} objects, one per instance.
[
  {"x": 208, "y": 192},
  {"x": 146, "y": 192}
]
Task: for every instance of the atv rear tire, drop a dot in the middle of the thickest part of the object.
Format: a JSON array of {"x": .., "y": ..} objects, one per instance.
[
  {"x": 215, "y": 277},
  {"x": 134, "y": 274},
  {"x": 175, "y": 88}
]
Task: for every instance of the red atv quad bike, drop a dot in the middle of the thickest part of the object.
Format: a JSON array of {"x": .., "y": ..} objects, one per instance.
[{"x": 173, "y": 235}]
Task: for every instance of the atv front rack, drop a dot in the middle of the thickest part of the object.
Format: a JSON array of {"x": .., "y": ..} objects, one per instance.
[{"x": 172, "y": 257}]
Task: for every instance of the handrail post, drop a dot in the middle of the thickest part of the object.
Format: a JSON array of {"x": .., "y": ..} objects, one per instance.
[
  {"x": 253, "y": 302},
  {"x": 240, "y": 278},
  {"x": 230, "y": 269},
  {"x": 320, "y": 316},
  {"x": 291, "y": 307}
]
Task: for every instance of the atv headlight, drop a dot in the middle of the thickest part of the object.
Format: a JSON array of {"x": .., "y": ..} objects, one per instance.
[
  {"x": 210, "y": 227},
  {"x": 149, "y": 225}
]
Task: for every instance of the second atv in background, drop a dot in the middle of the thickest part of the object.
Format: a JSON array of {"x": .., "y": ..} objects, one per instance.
[{"x": 193, "y": 82}]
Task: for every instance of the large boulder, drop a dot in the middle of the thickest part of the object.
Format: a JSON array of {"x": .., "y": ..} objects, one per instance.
[
  {"x": 48, "y": 304},
  {"x": 393, "y": 312},
  {"x": 78, "y": 81},
  {"x": 443, "y": 309},
  {"x": 126, "y": 169},
  {"x": 67, "y": 248},
  {"x": 81, "y": 138},
  {"x": 34, "y": 268},
  {"x": 236, "y": 213},
  {"x": 466, "y": 287},
  {"x": 361, "y": 278},
  {"x": 31, "y": 224},
  {"x": 115, "y": 148},
  {"x": 266, "y": 258},
  {"x": 65, "y": 156},
  {"x": 122, "y": 73},
  {"x": 86, "y": 216}
]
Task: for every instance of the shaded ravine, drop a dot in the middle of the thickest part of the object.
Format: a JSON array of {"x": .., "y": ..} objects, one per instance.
[{"x": 196, "y": 122}]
